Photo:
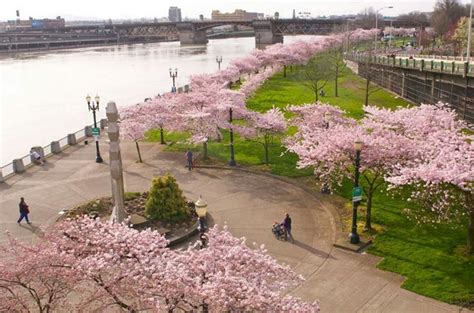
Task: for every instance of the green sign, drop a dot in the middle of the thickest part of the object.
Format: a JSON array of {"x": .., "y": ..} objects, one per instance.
[
  {"x": 95, "y": 131},
  {"x": 356, "y": 194}
]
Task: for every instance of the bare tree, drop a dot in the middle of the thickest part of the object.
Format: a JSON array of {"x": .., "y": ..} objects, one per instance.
[
  {"x": 336, "y": 57},
  {"x": 370, "y": 72},
  {"x": 316, "y": 74},
  {"x": 445, "y": 16}
]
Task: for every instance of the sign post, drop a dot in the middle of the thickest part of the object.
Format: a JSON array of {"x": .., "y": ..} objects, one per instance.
[
  {"x": 96, "y": 133},
  {"x": 356, "y": 194}
]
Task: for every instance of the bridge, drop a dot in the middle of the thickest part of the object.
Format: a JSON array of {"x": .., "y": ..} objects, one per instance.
[{"x": 266, "y": 32}]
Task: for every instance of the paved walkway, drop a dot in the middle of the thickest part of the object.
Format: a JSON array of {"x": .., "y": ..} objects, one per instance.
[{"x": 247, "y": 203}]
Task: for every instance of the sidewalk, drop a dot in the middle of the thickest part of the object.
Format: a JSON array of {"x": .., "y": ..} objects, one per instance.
[{"x": 247, "y": 203}]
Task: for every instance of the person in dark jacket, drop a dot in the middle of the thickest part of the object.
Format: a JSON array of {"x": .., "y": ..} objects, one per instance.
[
  {"x": 287, "y": 225},
  {"x": 189, "y": 158},
  {"x": 24, "y": 211}
]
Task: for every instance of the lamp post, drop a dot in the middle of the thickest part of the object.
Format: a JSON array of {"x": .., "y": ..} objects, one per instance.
[
  {"x": 377, "y": 25},
  {"x": 390, "y": 36},
  {"x": 94, "y": 106},
  {"x": 232, "y": 156},
  {"x": 469, "y": 35},
  {"x": 219, "y": 61},
  {"x": 201, "y": 211},
  {"x": 354, "y": 237},
  {"x": 173, "y": 75}
]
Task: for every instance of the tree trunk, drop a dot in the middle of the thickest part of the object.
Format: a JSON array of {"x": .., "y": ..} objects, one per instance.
[
  {"x": 139, "y": 154},
  {"x": 162, "y": 138},
  {"x": 205, "y": 156},
  {"x": 336, "y": 92},
  {"x": 470, "y": 233},
  {"x": 267, "y": 161},
  {"x": 367, "y": 85},
  {"x": 284, "y": 70},
  {"x": 368, "y": 217}
]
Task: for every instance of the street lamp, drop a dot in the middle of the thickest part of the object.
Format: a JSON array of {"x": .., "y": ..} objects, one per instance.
[
  {"x": 377, "y": 25},
  {"x": 173, "y": 75},
  {"x": 219, "y": 61},
  {"x": 232, "y": 156},
  {"x": 94, "y": 106},
  {"x": 354, "y": 237},
  {"x": 469, "y": 31}
]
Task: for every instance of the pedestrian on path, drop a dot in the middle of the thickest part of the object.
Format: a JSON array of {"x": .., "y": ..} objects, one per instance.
[
  {"x": 287, "y": 226},
  {"x": 189, "y": 157},
  {"x": 24, "y": 211}
]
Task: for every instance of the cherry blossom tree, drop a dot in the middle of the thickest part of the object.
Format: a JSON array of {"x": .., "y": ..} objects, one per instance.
[
  {"x": 90, "y": 265},
  {"x": 325, "y": 141},
  {"x": 263, "y": 127},
  {"x": 442, "y": 174}
]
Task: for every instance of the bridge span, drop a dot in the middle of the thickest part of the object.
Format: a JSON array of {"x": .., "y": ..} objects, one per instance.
[{"x": 194, "y": 33}]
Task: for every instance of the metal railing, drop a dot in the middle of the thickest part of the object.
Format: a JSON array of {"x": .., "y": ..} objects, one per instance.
[
  {"x": 8, "y": 169},
  {"x": 430, "y": 65}
]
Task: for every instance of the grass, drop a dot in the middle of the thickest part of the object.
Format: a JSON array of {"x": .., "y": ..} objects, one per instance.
[{"x": 430, "y": 258}]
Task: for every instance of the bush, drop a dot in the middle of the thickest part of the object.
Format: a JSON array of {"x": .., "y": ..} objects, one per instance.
[{"x": 166, "y": 201}]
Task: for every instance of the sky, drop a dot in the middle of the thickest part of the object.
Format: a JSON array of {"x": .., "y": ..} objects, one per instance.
[{"x": 96, "y": 9}]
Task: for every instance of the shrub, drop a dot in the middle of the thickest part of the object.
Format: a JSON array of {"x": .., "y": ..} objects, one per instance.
[{"x": 166, "y": 201}]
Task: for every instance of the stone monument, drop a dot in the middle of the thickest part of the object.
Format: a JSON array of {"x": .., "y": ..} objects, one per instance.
[{"x": 116, "y": 172}]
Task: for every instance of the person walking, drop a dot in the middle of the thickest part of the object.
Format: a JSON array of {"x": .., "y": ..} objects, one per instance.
[
  {"x": 24, "y": 211},
  {"x": 287, "y": 226},
  {"x": 189, "y": 157}
]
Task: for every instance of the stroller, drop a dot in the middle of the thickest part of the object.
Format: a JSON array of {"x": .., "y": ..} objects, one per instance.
[{"x": 279, "y": 231}]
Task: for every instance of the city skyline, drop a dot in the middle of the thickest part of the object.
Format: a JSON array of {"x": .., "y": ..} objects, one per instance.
[{"x": 88, "y": 9}]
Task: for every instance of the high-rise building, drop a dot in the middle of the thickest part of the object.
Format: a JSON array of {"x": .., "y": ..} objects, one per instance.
[
  {"x": 174, "y": 14},
  {"x": 238, "y": 15}
]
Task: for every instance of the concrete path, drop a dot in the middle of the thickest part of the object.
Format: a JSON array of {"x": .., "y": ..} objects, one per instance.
[{"x": 247, "y": 203}]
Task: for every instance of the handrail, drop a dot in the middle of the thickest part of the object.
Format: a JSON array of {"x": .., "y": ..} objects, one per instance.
[
  {"x": 431, "y": 65},
  {"x": 8, "y": 169}
]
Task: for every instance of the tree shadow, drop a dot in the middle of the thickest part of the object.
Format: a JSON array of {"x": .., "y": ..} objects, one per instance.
[{"x": 313, "y": 250}]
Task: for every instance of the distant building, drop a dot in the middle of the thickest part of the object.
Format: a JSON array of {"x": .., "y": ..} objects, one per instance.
[
  {"x": 201, "y": 17},
  {"x": 174, "y": 14},
  {"x": 33, "y": 23},
  {"x": 276, "y": 15},
  {"x": 238, "y": 15}
]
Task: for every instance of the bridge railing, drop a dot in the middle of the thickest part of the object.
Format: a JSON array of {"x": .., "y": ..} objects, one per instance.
[{"x": 430, "y": 65}]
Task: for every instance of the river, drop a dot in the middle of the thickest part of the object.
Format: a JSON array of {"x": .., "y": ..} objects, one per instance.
[{"x": 42, "y": 94}]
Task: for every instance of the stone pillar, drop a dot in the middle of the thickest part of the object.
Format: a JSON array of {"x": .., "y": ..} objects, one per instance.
[
  {"x": 116, "y": 173},
  {"x": 265, "y": 34},
  {"x": 88, "y": 131},
  {"x": 71, "y": 139},
  {"x": 190, "y": 35},
  {"x": 186, "y": 88},
  {"x": 103, "y": 123},
  {"x": 18, "y": 166},
  {"x": 55, "y": 147},
  {"x": 38, "y": 149}
]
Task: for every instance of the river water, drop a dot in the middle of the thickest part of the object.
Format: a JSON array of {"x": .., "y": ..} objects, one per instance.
[{"x": 42, "y": 94}]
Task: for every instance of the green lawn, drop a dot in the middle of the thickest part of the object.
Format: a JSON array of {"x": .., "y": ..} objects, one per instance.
[{"x": 428, "y": 257}]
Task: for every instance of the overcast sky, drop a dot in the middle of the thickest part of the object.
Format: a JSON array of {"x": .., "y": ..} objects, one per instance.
[{"x": 117, "y": 9}]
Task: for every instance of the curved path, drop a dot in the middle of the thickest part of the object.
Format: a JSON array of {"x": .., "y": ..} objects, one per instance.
[{"x": 247, "y": 203}]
